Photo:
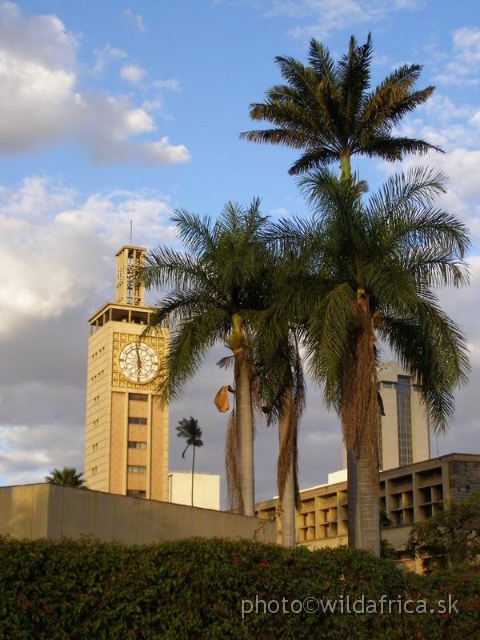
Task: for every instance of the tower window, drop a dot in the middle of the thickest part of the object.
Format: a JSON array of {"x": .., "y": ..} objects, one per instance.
[
  {"x": 134, "y": 493},
  {"x": 404, "y": 417},
  {"x": 136, "y": 469},
  {"x": 140, "y": 397},
  {"x": 133, "y": 420},
  {"x": 132, "y": 444}
]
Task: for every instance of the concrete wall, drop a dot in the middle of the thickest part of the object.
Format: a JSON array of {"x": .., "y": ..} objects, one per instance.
[{"x": 53, "y": 512}]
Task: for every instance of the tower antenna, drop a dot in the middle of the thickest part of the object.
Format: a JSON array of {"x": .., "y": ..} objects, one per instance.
[{"x": 131, "y": 230}]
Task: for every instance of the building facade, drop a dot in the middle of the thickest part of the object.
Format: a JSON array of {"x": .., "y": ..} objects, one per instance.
[
  {"x": 404, "y": 430},
  {"x": 408, "y": 495},
  {"x": 126, "y": 431},
  {"x": 404, "y": 436},
  {"x": 206, "y": 489}
]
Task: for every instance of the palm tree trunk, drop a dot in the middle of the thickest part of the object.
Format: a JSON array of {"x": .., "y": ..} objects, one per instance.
[
  {"x": 193, "y": 469},
  {"x": 345, "y": 167},
  {"x": 244, "y": 414},
  {"x": 288, "y": 497},
  {"x": 363, "y": 503},
  {"x": 360, "y": 428}
]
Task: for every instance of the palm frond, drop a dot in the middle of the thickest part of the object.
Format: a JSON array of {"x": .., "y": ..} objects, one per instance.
[
  {"x": 434, "y": 349},
  {"x": 327, "y": 335},
  {"x": 322, "y": 63},
  {"x": 165, "y": 267},
  {"x": 195, "y": 233},
  {"x": 190, "y": 431},
  {"x": 189, "y": 342}
]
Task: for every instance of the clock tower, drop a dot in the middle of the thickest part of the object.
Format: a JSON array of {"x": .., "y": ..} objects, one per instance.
[{"x": 126, "y": 431}]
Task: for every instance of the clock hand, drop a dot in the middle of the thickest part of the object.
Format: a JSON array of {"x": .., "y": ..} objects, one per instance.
[{"x": 139, "y": 361}]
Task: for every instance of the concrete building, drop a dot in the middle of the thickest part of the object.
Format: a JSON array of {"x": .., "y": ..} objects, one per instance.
[
  {"x": 404, "y": 434},
  {"x": 206, "y": 489},
  {"x": 404, "y": 437},
  {"x": 126, "y": 430},
  {"x": 408, "y": 495}
]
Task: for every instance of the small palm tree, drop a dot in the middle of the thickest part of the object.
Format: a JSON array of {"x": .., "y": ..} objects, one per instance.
[
  {"x": 66, "y": 477},
  {"x": 328, "y": 110},
  {"x": 192, "y": 434}
]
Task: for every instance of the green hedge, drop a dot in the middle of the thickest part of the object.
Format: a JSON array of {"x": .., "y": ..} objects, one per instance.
[{"x": 194, "y": 589}]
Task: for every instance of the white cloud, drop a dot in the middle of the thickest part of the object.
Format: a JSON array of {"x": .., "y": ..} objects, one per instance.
[
  {"x": 132, "y": 73},
  {"x": 28, "y": 454},
  {"x": 173, "y": 84},
  {"x": 459, "y": 68},
  {"x": 53, "y": 244},
  {"x": 135, "y": 19},
  {"x": 42, "y": 38},
  {"x": 460, "y": 166},
  {"x": 103, "y": 57},
  {"x": 41, "y": 104},
  {"x": 466, "y": 42},
  {"x": 324, "y": 16}
]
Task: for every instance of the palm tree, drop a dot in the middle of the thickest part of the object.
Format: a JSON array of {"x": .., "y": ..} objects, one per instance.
[
  {"x": 218, "y": 284},
  {"x": 283, "y": 391},
  {"x": 191, "y": 432},
  {"x": 280, "y": 373},
  {"x": 328, "y": 110},
  {"x": 66, "y": 477},
  {"x": 370, "y": 271}
]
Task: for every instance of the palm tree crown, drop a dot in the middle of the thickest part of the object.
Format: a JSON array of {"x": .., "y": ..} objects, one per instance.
[
  {"x": 213, "y": 287},
  {"x": 66, "y": 477},
  {"x": 383, "y": 260},
  {"x": 189, "y": 430},
  {"x": 216, "y": 287},
  {"x": 328, "y": 109}
]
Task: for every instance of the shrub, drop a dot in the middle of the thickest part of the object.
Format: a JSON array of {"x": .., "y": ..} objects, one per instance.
[
  {"x": 74, "y": 590},
  {"x": 450, "y": 538}
]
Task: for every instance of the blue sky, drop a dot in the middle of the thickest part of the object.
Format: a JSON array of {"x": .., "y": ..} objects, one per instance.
[{"x": 115, "y": 111}]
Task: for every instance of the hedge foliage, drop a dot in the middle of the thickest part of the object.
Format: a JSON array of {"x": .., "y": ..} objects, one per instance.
[{"x": 194, "y": 588}]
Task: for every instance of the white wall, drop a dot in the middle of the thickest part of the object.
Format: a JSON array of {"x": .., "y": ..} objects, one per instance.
[{"x": 206, "y": 489}]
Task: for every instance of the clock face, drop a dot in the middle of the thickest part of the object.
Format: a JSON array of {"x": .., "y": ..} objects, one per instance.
[{"x": 138, "y": 362}]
